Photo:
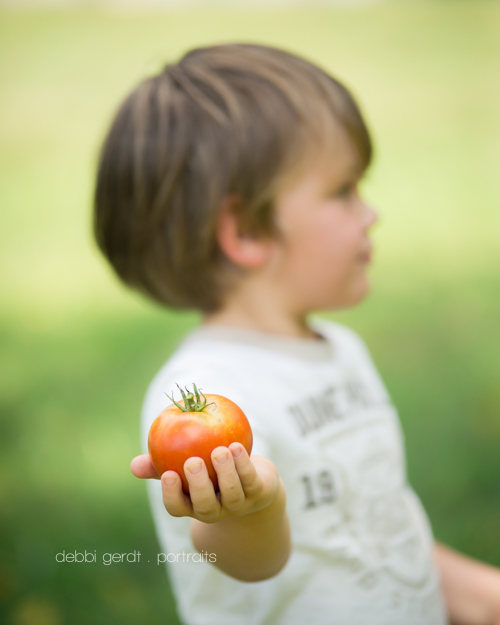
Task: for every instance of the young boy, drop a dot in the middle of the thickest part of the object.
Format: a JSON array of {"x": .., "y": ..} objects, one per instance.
[{"x": 229, "y": 184}]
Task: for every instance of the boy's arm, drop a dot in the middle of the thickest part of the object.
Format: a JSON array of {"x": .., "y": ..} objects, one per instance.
[
  {"x": 250, "y": 548},
  {"x": 471, "y": 588},
  {"x": 245, "y": 525}
]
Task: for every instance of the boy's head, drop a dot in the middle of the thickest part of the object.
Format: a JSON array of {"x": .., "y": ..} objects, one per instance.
[{"x": 231, "y": 122}]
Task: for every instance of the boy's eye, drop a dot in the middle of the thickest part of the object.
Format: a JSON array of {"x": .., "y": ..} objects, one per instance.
[{"x": 344, "y": 191}]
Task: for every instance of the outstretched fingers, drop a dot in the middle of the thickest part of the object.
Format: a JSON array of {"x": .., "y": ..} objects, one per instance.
[
  {"x": 231, "y": 491},
  {"x": 250, "y": 479},
  {"x": 206, "y": 506},
  {"x": 175, "y": 500},
  {"x": 244, "y": 485}
]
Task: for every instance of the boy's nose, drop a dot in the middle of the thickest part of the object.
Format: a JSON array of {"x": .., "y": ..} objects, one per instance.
[
  {"x": 374, "y": 216},
  {"x": 371, "y": 216}
]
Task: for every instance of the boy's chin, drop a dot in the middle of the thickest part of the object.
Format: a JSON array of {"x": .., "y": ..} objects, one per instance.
[
  {"x": 363, "y": 294},
  {"x": 354, "y": 297}
]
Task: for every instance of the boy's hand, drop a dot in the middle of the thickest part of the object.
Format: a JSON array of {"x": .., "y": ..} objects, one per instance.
[{"x": 246, "y": 485}]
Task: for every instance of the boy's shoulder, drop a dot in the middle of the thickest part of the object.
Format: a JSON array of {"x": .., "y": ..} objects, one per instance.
[
  {"x": 211, "y": 343},
  {"x": 209, "y": 351}
]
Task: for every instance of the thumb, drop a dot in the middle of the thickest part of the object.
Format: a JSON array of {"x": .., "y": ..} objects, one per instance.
[{"x": 142, "y": 467}]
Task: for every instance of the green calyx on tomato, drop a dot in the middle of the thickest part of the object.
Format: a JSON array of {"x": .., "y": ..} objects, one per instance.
[{"x": 192, "y": 403}]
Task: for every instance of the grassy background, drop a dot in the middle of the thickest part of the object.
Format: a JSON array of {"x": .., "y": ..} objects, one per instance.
[{"x": 77, "y": 350}]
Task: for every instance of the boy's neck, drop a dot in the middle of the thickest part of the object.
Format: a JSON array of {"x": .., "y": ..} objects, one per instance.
[{"x": 260, "y": 302}]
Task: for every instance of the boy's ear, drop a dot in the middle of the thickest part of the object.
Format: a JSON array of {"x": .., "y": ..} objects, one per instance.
[{"x": 239, "y": 245}]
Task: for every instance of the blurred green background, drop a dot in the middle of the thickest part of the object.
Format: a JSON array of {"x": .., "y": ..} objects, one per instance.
[{"x": 78, "y": 350}]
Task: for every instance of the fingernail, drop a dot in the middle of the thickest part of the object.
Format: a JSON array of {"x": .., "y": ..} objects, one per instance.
[
  {"x": 169, "y": 481},
  {"x": 194, "y": 468},
  {"x": 223, "y": 458},
  {"x": 236, "y": 452}
]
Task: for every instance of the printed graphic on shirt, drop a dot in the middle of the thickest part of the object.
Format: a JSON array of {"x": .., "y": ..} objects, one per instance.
[
  {"x": 372, "y": 523},
  {"x": 319, "y": 488},
  {"x": 334, "y": 404}
]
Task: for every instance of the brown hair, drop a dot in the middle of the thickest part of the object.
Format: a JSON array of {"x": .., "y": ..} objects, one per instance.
[{"x": 228, "y": 120}]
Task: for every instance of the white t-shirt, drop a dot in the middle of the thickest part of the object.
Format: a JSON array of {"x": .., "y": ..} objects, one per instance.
[{"x": 362, "y": 545}]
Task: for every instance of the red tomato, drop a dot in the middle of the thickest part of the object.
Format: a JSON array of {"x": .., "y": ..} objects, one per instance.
[{"x": 179, "y": 433}]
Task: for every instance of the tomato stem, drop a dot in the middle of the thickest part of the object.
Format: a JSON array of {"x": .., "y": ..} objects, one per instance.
[{"x": 190, "y": 403}]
